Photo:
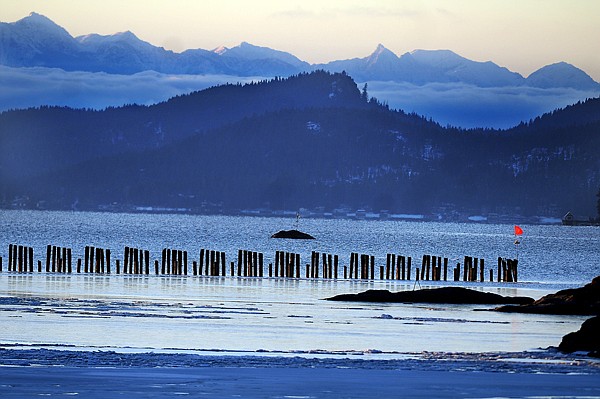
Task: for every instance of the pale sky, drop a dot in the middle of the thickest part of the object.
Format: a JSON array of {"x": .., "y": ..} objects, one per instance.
[{"x": 522, "y": 35}]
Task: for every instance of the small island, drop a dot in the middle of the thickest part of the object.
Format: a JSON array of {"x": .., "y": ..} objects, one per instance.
[{"x": 293, "y": 234}]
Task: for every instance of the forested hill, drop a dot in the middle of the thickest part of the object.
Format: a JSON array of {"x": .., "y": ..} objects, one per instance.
[
  {"x": 313, "y": 140},
  {"x": 43, "y": 139}
]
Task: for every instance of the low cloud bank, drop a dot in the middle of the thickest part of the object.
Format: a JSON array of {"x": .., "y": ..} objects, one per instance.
[
  {"x": 470, "y": 106},
  {"x": 33, "y": 87},
  {"x": 449, "y": 103}
]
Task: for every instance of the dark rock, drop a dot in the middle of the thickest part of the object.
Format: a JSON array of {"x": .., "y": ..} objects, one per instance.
[
  {"x": 587, "y": 338},
  {"x": 454, "y": 295},
  {"x": 573, "y": 301},
  {"x": 293, "y": 234}
]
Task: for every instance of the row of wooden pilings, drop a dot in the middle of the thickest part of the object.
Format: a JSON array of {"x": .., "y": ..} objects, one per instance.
[{"x": 251, "y": 264}]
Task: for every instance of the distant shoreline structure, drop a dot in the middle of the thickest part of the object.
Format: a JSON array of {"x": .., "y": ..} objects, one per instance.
[{"x": 569, "y": 220}]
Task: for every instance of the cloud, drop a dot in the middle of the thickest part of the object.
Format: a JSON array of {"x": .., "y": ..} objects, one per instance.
[
  {"x": 33, "y": 87},
  {"x": 470, "y": 106},
  {"x": 361, "y": 12},
  {"x": 449, "y": 104}
]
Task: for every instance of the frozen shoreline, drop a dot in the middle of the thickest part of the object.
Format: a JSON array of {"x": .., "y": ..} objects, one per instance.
[{"x": 547, "y": 373}]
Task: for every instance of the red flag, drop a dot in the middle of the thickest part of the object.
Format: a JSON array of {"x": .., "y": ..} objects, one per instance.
[{"x": 518, "y": 231}]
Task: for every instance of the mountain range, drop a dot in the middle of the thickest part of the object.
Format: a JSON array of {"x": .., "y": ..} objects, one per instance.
[
  {"x": 313, "y": 140},
  {"x": 36, "y": 41}
]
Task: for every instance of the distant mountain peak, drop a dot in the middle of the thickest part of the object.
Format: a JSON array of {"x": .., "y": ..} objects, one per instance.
[
  {"x": 248, "y": 51},
  {"x": 381, "y": 54},
  {"x": 381, "y": 49},
  {"x": 561, "y": 74},
  {"x": 34, "y": 17},
  {"x": 42, "y": 24},
  {"x": 220, "y": 50}
]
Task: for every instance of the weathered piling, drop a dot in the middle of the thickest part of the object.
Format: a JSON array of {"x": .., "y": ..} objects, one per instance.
[
  {"x": 499, "y": 274},
  {"x": 251, "y": 264},
  {"x": 10, "y": 251},
  {"x": 481, "y": 270},
  {"x": 20, "y": 259}
]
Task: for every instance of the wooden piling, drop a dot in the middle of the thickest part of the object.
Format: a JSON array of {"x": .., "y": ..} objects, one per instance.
[
  {"x": 207, "y": 264},
  {"x": 388, "y": 264},
  {"x": 10, "y": 251},
  {"x": 15, "y": 257},
  {"x": 53, "y": 264},
  {"x": 482, "y": 270},
  {"x": 108, "y": 268},
  {"x": 30, "y": 259},
  {"x": 335, "y": 266},
  {"x": 261, "y": 264},
  {"x": 499, "y": 275},
  {"x": 515, "y": 270},
  {"x": 147, "y": 260},
  {"x": 69, "y": 260}
]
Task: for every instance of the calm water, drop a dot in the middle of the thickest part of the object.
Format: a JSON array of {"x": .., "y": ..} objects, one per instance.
[{"x": 266, "y": 316}]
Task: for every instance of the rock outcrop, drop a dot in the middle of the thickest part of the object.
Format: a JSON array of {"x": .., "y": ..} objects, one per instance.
[
  {"x": 587, "y": 338},
  {"x": 453, "y": 295},
  {"x": 573, "y": 301}
]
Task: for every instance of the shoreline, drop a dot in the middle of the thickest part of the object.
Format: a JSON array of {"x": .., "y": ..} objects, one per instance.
[{"x": 27, "y": 373}]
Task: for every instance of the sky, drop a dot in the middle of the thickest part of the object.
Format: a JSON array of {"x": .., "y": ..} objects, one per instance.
[{"x": 522, "y": 35}]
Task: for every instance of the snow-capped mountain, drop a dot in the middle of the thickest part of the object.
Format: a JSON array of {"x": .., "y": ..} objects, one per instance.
[
  {"x": 37, "y": 41},
  {"x": 383, "y": 65},
  {"x": 455, "y": 68},
  {"x": 123, "y": 52},
  {"x": 249, "y": 51}
]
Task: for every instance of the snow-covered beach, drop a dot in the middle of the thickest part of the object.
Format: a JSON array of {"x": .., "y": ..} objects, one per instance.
[{"x": 29, "y": 373}]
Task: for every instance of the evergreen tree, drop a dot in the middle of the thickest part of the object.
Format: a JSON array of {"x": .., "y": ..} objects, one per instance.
[
  {"x": 598, "y": 204},
  {"x": 364, "y": 95}
]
